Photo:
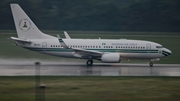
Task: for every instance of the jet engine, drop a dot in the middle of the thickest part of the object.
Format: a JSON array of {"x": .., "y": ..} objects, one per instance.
[{"x": 111, "y": 58}]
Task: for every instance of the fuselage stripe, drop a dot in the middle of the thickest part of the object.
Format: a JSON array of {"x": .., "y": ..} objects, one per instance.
[
  {"x": 166, "y": 52},
  {"x": 101, "y": 50}
]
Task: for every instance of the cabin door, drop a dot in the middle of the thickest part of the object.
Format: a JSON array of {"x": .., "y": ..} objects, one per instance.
[
  {"x": 148, "y": 48},
  {"x": 44, "y": 46}
]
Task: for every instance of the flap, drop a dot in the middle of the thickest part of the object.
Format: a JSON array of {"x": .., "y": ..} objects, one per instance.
[{"x": 87, "y": 53}]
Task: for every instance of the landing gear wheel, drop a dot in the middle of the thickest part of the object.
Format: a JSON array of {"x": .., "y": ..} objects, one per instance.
[
  {"x": 89, "y": 62},
  {"x": 151, "y": 64}
]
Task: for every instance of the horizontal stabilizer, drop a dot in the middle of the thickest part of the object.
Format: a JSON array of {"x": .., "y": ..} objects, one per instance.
[{"x": 20, "y": 40}]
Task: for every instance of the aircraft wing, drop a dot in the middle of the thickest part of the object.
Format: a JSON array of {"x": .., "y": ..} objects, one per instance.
[
  {"x": 79, "y": 52},
  {"x": 20, "y": 40}
]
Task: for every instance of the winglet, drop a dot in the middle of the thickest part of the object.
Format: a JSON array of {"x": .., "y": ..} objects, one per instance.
[
  {"x": 63, "y": 44},
  {"x": 66, "y": 35},
  {"x": 58, "y": 36}
]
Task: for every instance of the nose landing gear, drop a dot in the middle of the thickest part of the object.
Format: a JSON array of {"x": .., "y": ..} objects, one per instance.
[{"x": 151, "y": 64}]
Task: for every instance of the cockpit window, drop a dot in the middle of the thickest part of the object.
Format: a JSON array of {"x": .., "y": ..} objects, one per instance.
[{"x": 159, "y": 46}]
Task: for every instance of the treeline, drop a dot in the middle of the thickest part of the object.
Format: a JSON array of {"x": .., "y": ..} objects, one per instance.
[{"x": 97, "y": 15}]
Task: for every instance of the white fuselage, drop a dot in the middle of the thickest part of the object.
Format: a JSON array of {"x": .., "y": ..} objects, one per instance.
[{"x": 129, "y": 49}]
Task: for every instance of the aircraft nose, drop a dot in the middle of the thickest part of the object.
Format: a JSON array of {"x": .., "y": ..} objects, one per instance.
[{"x": 167, "y": 52}]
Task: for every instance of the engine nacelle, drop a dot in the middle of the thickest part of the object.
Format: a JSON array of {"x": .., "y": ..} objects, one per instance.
[{"x": 111, "y": 58}]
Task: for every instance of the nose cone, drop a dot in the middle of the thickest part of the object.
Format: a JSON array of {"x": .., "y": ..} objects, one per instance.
[{"x": 167, "y": 52}]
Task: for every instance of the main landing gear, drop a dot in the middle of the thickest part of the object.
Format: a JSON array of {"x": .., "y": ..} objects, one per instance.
[
  {"x": 89, "y": 62},
  {"x": 151, "y": 64}
]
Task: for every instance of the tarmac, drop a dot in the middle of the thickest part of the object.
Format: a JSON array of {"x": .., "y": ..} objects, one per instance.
[{"x": 27, "y": 68}]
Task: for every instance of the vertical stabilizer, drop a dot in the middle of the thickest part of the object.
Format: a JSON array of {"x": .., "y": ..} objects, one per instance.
[{"x": 25, "y": 28}]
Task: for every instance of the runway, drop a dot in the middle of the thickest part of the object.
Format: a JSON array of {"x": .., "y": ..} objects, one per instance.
[{"x": 27, "y": 68}]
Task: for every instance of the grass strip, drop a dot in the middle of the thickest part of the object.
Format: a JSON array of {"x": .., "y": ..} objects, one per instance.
[{"x": 92, "y": 88}]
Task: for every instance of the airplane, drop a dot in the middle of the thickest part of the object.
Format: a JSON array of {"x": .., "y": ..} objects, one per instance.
[{"x": 104, "y": 50}]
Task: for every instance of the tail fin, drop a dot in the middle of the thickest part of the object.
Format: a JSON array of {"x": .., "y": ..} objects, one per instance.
[{"x": 25, "y": 28}]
